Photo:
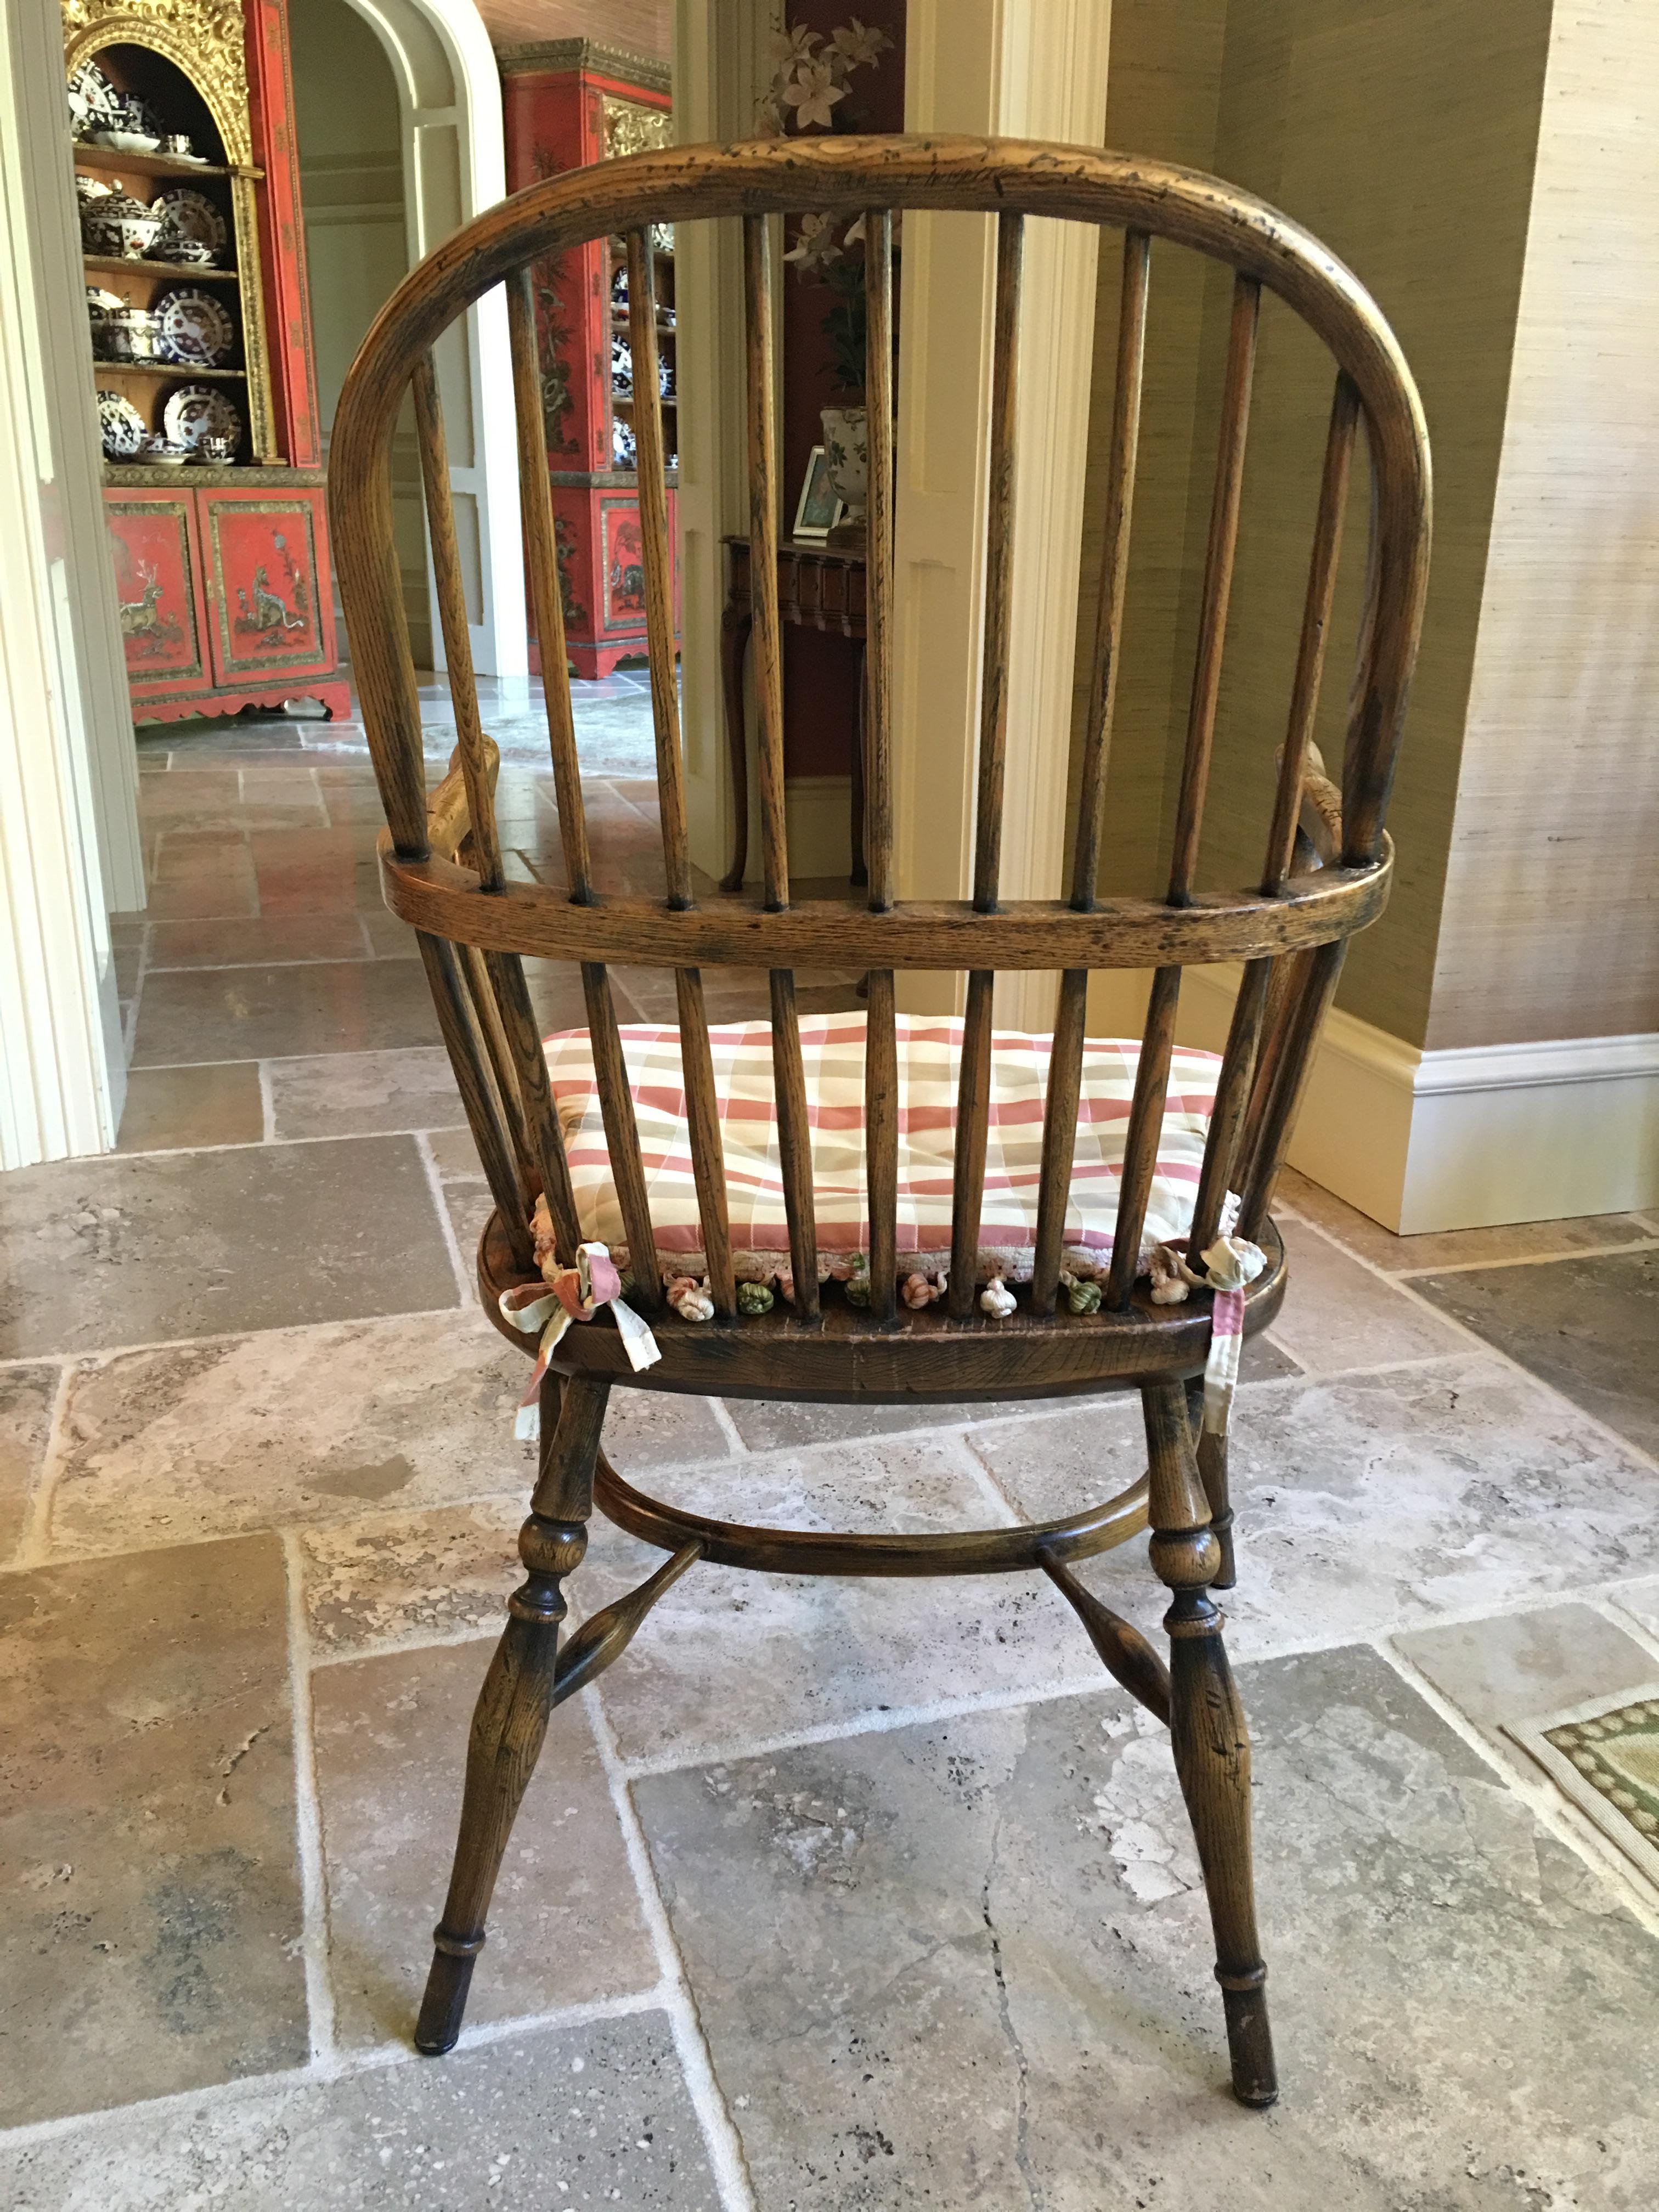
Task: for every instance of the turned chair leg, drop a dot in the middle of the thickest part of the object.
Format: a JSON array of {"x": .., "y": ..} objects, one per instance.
[
  {"x": 1212, "y": 1744},
  {"x": 511, "y": 1715},
  {"x": 1213, "y": 1473}
]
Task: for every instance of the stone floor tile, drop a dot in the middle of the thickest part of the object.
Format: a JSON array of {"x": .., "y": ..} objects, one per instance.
[
  {"x": 651, "y": 1432},
  {"x": 565, "y": 1925},
  {"x": 28, "y": 1396},
  {"x": 398, "y": 1579},
  {"x": 262, "y": 1012},
  {"x": 151, "y": 1935},
  {"x": 1523, "y": 1666},
  {"x": 211, "y": 879},
  {"x": 341, "y": 883},
  {"x": 969, "y": 1964},
  {"x": 1368, "y": 1503},
  {"x": 113, "y": 1251},
  {"x": 555, "y": 2120},
  {"x": 256, "y": 940},
  {"x": 1641, "y": 1599},
  {"x": 731, "y": 1657},
  {"x": 363, "y": 1093},
  {"x": 168, "y": 1108},
  {"x": 389, "y": 938},
  {"x": 1588, "y": 1326},
  {"x": 1336, "y": 1313},
  {"x": 305, "y": 1426},
  {"x": 555, "y": 995},
  {"x": 199, "y": 798},
  {"x": 1448, "y": 1247}
]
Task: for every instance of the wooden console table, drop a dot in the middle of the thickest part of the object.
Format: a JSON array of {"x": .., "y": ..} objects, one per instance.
[{"x": 819, "y": 587}]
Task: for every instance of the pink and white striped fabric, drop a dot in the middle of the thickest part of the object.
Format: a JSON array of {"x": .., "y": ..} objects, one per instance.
[{"x": 929, "y": 1066}]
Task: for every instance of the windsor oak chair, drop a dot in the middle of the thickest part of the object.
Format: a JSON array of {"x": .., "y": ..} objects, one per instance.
[{"x": 1325, "y": 875}]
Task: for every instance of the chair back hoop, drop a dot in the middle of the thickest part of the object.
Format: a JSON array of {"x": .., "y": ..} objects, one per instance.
[{"x": 1327, "y": 863}]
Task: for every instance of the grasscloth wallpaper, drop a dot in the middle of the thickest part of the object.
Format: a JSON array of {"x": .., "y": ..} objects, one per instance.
[{"x": 1406, "y": 138}]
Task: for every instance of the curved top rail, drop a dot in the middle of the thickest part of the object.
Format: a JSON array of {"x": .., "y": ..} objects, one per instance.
[{"x": 845, "y": 175}]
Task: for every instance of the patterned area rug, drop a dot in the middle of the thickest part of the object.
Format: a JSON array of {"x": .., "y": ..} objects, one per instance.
[{"x": 1606, "y": 1756}]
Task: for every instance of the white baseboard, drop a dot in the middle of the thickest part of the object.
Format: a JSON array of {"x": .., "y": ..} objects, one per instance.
[{"x": 1464, "y": 1138}]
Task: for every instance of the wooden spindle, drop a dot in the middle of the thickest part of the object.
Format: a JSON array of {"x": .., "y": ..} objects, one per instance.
[
  {"x": 881, "y": 1115},
  {"x": 658, "y": 561},
  {"x": 1065, "y": 1090},
  {"x": 972, "y": 1124},
  {"x": 1114, "y": 570},
  {"x": 1284, "y": 987},
  {"x": 878, "y": 560},
  {"x": 1060, "y": 1114},
  {"x": 998, "y": 564},
  {"x": 881, "y": 1098},
  {"x": 621, "y": 1138},
  {"x": 1362, "y": 797},
  {"x": 1217, "y": 586},
  {"x": 1320, "y": 971},
  {"x": 458, "y": 1025},
  {"x": 703, "y": 1115},
  {"x": 1146, "y": 1128},
  {"x": 451, "y": 616},
  {"x": 1232, "y": 1096},
  {"x": 1315, "y": 628},
  {"x": 974, "y": 1085},
  {"x": 795, "y": 1143},
  {"x": 541, "y": 1121},
  {"x": 476, "y": 971},
  {"x": 541, "y": 554},
  {"x": 763, "y": 556}
]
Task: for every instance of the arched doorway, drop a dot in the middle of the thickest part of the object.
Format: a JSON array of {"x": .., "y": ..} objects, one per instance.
[{"x": 362, "y": 67}]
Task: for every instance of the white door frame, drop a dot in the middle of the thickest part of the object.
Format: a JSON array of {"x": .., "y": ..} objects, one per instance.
[
  {"x": 994, "y": 66},
  {"x": 997, "y": 68},
  {"x": 68, "y": 830},
  {"x": 449, "y": 97}
]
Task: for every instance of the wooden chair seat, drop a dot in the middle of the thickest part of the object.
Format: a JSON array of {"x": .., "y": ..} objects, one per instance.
[
  {"x": 848, "y": 1356},
  {"x": 1323, "y": 874}
]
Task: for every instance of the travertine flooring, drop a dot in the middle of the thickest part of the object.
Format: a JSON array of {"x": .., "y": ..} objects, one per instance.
[{"x": 833, "y": 1895}]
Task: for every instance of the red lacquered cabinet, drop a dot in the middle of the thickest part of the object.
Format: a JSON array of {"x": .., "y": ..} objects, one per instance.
[
  {"x": 568, "y": 103},
  {"x": 221, "y": 569}
]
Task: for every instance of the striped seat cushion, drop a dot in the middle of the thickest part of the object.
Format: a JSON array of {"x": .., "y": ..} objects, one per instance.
[
  {"x": 929, "y": 1066},
  {"x": 930, "y": 1056}
]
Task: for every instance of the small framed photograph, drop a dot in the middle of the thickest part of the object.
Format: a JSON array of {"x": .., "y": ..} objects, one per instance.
[{"x": 818, "y": 510}]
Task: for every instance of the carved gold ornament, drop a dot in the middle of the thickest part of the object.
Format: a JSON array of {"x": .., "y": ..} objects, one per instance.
[
  {"x": 631, "y": 129},
  {"x": 203, "y": 37}
]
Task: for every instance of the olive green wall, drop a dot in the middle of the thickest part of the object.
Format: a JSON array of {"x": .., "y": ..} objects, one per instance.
[{"x": 1405, "y": 137}]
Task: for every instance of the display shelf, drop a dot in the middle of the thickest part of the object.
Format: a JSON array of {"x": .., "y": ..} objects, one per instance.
[
  {"x": 569, "y": 103},
  {"x": 181, "y": 375},
  {"x": 88, "y": 157},
  {"x": 135, "y": 265},
  {"x": 221, "y": 567}
]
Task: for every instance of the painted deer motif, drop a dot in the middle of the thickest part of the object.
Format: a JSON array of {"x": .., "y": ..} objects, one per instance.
[{"x": 138, "y": 617}]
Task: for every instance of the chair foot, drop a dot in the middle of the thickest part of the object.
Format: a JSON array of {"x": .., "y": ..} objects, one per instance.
[
  {"x": 518, "y": 1697},
  {"x": 1250, "y": 2044},
  {"x": 444, "y": 2005},
  {"x": 1211, "y": 1742}
]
